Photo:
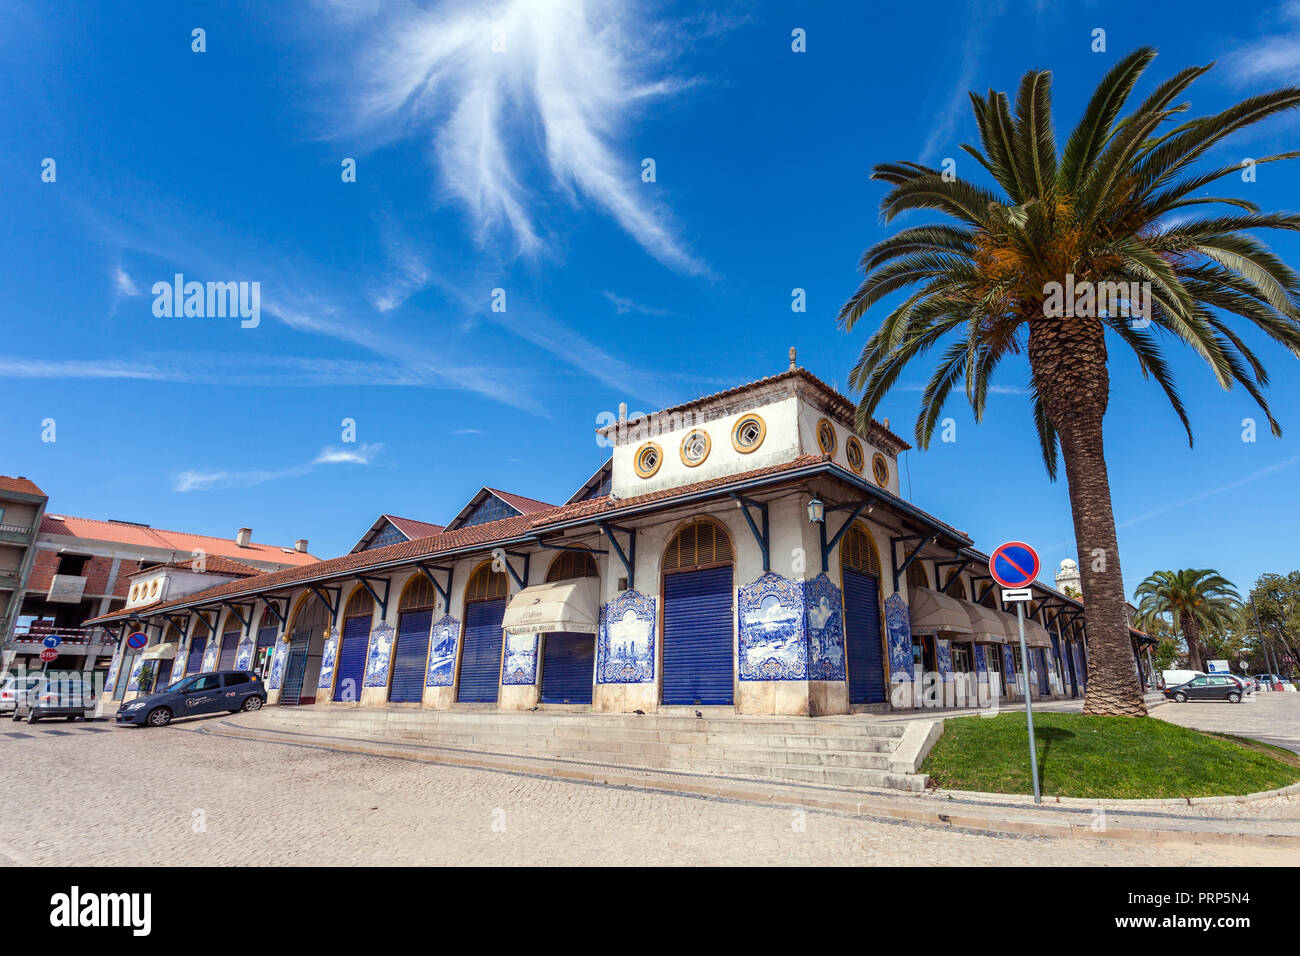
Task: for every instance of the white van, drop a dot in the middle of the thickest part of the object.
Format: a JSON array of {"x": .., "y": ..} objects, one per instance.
[{"x": 1176, "y": 677}]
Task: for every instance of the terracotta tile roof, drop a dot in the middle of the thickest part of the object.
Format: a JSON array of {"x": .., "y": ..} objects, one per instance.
[
  {"x": 181, "y": 541},
  {"x": 839, "y": 401},
  {"x": 489, "y": 532},
  {"x": 212, "y": 564},
  {"x": 525, "y": 505},
  {"x": 20, "y": 486},
  {"x": 414, "y": 529}
]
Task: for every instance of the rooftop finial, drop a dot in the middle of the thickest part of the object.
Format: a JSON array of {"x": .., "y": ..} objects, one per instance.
[{"x": 792, "y": 358}]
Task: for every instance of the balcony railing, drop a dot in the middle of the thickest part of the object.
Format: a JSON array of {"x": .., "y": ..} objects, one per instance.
[
  {"x": 79, "y": 636},
  {"x": 16, "y": 528}
]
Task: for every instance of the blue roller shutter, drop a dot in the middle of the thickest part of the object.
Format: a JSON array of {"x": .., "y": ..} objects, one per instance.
[
  {"x": 194, "y": 662},
  {"x": 698, "y": 637},
  {"x": 296, "y": 667},
  {"x": 164, "y": 675},
  {"x": 568, "y": 668},
  {"x": 351, "y": 665},
  {"x": 480, "y": 662},
  {"x": 865, "y": 657},
  {"x": 229, "y": 650},
  {"x": 410, "y": 656}
]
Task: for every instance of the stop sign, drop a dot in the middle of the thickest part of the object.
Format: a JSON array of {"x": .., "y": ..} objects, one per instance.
[{"x": 49, "y": 654}]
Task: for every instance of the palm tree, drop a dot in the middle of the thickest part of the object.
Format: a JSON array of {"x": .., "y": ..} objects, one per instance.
[
  {"x": 1200, "y": 603},
  {"x": 1112, "y": 208}
]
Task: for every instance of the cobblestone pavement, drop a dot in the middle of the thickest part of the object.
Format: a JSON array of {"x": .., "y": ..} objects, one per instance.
[
  {"x": 1265, "y": 715},
  {"x": 94, "y": 794}
]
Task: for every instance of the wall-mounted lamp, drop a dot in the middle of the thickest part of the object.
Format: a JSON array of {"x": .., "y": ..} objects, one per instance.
[{"x": 816, "y": 510}]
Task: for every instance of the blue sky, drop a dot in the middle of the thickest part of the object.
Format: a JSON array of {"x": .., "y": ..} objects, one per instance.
[{"x": 521, "y": 170}]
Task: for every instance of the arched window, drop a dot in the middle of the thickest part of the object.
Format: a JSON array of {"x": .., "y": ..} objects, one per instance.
[
  {"x": 311, "y": 612},
  {"x": 572, "y": 564},
  {"x": 418, "y": 593},
  {"x": 485, "y": 584},
  {"x": 917, "y": 576},
  {"x": 958, "y": 589},
  {"x": 700, "y": 544},
  {"x": 360, "y": 604},
  {"x": 858, "y": 551}
]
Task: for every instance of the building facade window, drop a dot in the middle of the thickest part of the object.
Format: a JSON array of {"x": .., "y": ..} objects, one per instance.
[
  {"x": 648, "y": 459},
  {"x": 880, "y": 470},
  {"x": 572, "y": 564},
  {"x": 826, "y": 437},
  {"x": 854, "y": 453},
  {"x": 748, "y": 434},
  {"x": 695, "y": 448},
  {"x": 700, "y": 544}
]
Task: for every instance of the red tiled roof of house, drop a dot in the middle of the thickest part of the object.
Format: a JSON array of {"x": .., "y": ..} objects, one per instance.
[
  {"x": 181, "y": 541},
  {"x": 22, "y": 486},
  {"x": 212, "y": 564},
  {"x": 525, "y": 505},
  {"x": 414, "y": 529}
]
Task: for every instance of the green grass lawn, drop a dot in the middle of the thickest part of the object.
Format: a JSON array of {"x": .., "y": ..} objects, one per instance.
[{"x": 1116, "y": 757}]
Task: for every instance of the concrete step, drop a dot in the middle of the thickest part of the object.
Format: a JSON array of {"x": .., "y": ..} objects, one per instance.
[{"x": 833, "y": 753}]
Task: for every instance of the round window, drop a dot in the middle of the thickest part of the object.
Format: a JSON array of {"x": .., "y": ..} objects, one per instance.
[
  {"x": 695, "y": 448},
  {"x": 748, "y": 434},
  {"x": 826, "y": 437},
  {"x": 857, "y": 459},
  {"x": 153, "y": 588},
  {"x": 880, "y": 470},
  {"x": 135, "y": 590},
  {"x": 648, "y": 459}
]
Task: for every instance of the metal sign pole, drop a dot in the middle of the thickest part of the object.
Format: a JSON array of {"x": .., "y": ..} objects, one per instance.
[{"x": 1029, "y": 707}]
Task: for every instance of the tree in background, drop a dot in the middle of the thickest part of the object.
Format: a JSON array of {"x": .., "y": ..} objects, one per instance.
[
  {"x": 1277, "y": 599},
  {"x": 1198, "y": 603}
]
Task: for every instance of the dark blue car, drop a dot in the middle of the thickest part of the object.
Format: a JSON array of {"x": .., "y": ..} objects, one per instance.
[{"x": 201, "y": 694}]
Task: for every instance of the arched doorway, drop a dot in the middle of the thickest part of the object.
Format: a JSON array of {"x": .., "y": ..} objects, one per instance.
[
  {"x": 414, "y": 621},
  {"x": 267, "y": 630},
  {"x": 350, "y": 666},
  {"x": 307, "y": 644},
  {"x": 167, "y": 664},
  {"x": 699, "y": 616},
  {"x": 480, "y": 661},
  {"x": 199, "y": 633},
  {"x": 865, "y": 653},
  {"x": 230, "y": 634},
  {"x": 569, "y": 660}
]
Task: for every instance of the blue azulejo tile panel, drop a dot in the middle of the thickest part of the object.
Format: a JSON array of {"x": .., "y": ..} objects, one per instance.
[
  {"x": 380, "y": 655},
  {"x": 327, "y": 660},
  {"x": 1009, "y": 664},
  {"x": 981, "y": 667},
  {"x": 442, "y": 652},
  {"x": 244, "y": 656},
  {"x": 112, "y": 672},
  {"x": 824, "y": 614},
  {"x": 279, "y": 654},
  {"x": 944, "y": 649},
  {"x": 625, "y": 645},
  {"x": 133, "y": 681},
  {"x": 773, "y": 644},
  {"x": 898, "y": 631},
  {"x": 520, "y": 663},
  {"x": 210, "y": 655}
]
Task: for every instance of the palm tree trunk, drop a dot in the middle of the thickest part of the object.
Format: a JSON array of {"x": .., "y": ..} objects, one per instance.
[
  {"x": 1192, "y": 636},
  {"x": 1112, "y": 680}
]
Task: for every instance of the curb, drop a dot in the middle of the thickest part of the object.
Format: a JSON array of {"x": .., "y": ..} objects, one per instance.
[
  {"x": 968, "y": 820},
  {"x": 1117, "y": 802}
]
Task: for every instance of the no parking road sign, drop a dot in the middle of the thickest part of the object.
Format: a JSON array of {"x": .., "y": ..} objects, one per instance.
[
  {"x": 1014, "y": 565},
  {"x": 137, "y": 640}
]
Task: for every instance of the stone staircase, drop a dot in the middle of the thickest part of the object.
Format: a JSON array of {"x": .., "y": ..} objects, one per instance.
[{"x": 848, "y": 752}]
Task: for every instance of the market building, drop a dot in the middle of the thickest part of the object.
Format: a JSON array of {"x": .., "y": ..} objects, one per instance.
[{"x": 750, "y": 550}]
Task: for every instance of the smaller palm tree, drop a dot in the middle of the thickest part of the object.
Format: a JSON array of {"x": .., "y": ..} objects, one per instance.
[{"x": 1199, "y": 602}]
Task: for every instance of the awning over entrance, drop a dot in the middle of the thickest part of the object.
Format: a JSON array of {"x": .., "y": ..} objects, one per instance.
[
  {"x": 568, "y": 606},
  {"x": 1036, "y": 635},
  {"x": 159, "y": 652},
  {"x": 986, "y": 624},
  {"x": 935, "y": 613}
]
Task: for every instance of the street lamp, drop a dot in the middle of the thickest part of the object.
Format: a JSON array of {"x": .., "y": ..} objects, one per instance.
[{"x": 816, "y": 510}]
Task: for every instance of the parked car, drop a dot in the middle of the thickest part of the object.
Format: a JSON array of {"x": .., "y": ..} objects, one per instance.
[
  {"x": 69, "y": 698},
  {"x": 13, "y": 688},
  {"x": 201, "y": 694},
  {"x": 1268, "y": 681},
  {"x": 1175, "y": 677},
  {"x": 1208, "y": 687}
]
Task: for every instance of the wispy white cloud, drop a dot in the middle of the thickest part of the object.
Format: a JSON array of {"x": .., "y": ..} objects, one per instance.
[
  {"x": 123, "y": 284},
  {"x": 508, "y": 89},
  {"x": 468, "y": 431},
  {"x": 1275, "y": 55},
  {"x": 940, "y": 142},
  {"x": 212, "y": 480},
  {"x": 1201, "y": 496},
  {"x": 623, "y": 305}
]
